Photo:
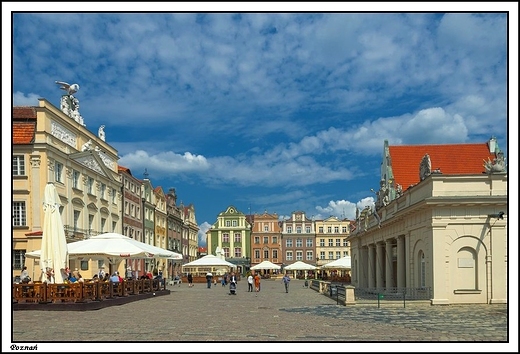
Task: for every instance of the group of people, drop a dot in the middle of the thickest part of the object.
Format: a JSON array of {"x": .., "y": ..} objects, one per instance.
[
  {"x": 74, "y": 277},
  {"x": 253, "y": 281}
]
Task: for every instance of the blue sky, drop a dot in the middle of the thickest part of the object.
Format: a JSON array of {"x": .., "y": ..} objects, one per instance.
[
  {"x": 278, "y": 111},
  {"x": 271, "y": 111}
]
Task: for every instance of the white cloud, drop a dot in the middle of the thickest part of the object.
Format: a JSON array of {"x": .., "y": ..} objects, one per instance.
[
  {"x": 203, "y": 228},
  {"x": 21, "y": 99},
  {"x": 165, "y": 162}
]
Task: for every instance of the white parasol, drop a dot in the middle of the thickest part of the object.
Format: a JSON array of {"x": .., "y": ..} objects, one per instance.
[
  {"x": 340, "y": 263},
  {"x": 115, "y": 247},
  {"x": 209, "y": 260},
  {"x": 265, "y": 265},
  {"x": 299, "y": 265},
  {"x": 54, "y": 253}
]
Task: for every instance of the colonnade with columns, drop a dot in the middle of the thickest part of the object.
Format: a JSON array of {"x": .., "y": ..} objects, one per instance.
[{"x": 380, "y": 266}]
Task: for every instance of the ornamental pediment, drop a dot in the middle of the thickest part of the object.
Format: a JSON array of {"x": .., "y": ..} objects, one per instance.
[
  {"x": 90, "y": 162},
  {"x": 93, "y": 161}
]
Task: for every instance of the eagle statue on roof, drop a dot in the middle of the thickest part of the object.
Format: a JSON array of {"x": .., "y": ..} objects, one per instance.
[{"x": 71, "y": 89}]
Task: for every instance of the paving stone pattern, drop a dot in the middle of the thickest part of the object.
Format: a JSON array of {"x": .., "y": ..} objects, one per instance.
[{"x": 200, "y": 314}]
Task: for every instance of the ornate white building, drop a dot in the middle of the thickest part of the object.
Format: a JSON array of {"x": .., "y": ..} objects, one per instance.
[
  {"x": 442, "y": 227},
  {"x": 49, "y": 146}
]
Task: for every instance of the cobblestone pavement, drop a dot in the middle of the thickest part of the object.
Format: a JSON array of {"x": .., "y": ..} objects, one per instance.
[{"x": 200, "y": 314}]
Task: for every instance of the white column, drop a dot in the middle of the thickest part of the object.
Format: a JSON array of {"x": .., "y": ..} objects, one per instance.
[
  {"x": 371, "y": 263},
  {"x": 389, "y": 270},
  {"x": 363, "y": 268},
  {"x": 401, "y": 263},
  {"x": 380, "y": 264}
]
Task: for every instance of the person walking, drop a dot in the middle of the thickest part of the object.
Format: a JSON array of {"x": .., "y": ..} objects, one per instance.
[
  {"x": 257, "y": 283},
  {"x": 286, "y": 279},
  {"x": 209, "y": 277},
  {"x": 250, "y": 283},
  {"x": 190, "y": 280}
]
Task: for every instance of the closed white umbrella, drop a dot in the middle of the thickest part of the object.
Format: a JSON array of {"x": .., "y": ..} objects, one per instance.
[{"x": 54, "y": 253}]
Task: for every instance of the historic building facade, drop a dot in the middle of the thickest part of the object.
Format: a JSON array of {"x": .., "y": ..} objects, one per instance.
[
  {"x": 298, "y": 239},
  {"x": 175, "y": 227},
  {"x": 331, "y": 239},
  {"x": 192, "y": 232},
  {"x": 160, "y": 227},
  {"x": 132, "y": 215},
  {"x": 230, "y": 236},
  {"x": 50, "y": 146},
  {"x": 266, "y": 239},
  {"x": 440, "y": 224}
]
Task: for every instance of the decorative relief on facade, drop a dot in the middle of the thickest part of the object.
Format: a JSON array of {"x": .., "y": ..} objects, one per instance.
[
  {"x": 85, "y": 180},
  {"x": 383, "y": 198},
  {"x": 50, "y": 164},
  {"x": 91, "y": 163},
  {"x": 63, "y": 134},
  {"x": 98, "y": 186},
  {"x": 68, "y": 172},
  {"x": 88, "y": 146},
  {"x": 398, "y": 191},
  {"x": 70, "y": 104},
  {"x": 498, "y": 165},
  {"x": 36, "y": 161},
  {"x": 101, "y": 132},
  {"x": 425, "y": 168},
  {"x": 106, "y": 160}
]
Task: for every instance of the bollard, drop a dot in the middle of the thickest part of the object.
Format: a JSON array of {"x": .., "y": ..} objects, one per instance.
[{"x": 379, "y": 297}]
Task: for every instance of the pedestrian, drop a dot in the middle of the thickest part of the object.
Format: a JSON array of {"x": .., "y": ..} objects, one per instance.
[
  {"x": 160, "y": 277},
  {"x": 209, "y": 276},
  {"x": 250, "y": 283},
  {"x": 286, "y": 279},
  {"x": 257, "y": 283},
  {"x": 233, "y": 278},
  {"x": 190, "y": 280}
]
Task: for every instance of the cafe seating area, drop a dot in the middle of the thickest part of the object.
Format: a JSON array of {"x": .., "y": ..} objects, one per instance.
[{"x": 83, "y": 296}]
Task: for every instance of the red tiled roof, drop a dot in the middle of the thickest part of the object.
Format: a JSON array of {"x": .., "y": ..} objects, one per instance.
[
  {"x": 450, "y": 159},
  {"x": 124, "y": 169},
  {"x": 24, "y": 112},
  {"x": 23, "y": 132},
  {"x": 24, "y": 125}
]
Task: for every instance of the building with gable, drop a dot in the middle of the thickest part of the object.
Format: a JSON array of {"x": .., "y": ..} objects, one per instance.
[
  {"x": 230, "y": 236},
  {"x": 51, "y": 146},
  {"x": 266, "y": 239},
  {"x": 298, "y": 239},
  {"x": 439, "y": 225},
  {"x": 331, "y": 240}
]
